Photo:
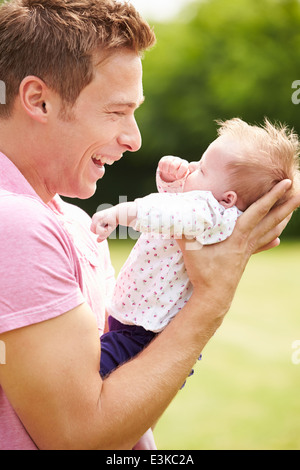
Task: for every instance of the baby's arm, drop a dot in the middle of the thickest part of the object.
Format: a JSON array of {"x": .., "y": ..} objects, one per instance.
[
  {"x": 170, "y": 169},
  {"x": 105, "y": 222}
]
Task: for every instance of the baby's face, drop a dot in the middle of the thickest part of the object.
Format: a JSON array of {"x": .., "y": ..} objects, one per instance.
[{"x": 210, "y": 173}]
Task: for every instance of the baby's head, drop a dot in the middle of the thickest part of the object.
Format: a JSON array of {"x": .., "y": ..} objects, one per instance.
[{"x": 245, "y": 162}]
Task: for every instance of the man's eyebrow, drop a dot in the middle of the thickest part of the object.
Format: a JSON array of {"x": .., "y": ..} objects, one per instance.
[{"x": 128, "y": 104}]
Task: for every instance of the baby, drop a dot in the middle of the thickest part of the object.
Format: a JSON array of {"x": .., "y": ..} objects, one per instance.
[{"x": 200, "y": 200}]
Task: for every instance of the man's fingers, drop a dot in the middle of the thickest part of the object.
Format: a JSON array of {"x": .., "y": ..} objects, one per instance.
[
  {"x": 273, "y": 226},
  {"x": 271, "y": 238},
  {"x": 275, "y": 222},
  {"x": 269, "y": 246},
  {"x": 259, "y": 210}
]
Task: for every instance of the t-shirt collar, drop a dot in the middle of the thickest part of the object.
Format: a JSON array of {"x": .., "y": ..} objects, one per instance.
[{"x": 12, "y": 180}]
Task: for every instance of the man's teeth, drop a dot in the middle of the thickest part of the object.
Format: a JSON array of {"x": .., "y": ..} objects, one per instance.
[{"x": 103, "y": 160}]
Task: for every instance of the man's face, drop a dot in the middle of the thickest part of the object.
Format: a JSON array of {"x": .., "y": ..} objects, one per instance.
[{"x": 102, "y": 127}]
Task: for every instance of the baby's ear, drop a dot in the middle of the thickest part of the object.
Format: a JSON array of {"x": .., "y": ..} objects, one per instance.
[{"x": 229, "y": 199}]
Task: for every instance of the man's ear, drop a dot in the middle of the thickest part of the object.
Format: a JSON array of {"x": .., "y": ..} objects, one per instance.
[
  {"x": 229, "y": 199},
  {"x": 33, "y": 94}
]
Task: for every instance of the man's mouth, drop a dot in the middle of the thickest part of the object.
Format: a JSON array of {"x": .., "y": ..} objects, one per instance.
[{"x": 100, "y": 160}]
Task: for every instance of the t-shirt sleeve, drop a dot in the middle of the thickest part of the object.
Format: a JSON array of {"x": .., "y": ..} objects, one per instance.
[{"x": 38, "y": 270}]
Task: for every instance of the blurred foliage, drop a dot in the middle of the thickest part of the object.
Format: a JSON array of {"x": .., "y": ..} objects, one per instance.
[{"x": 218, "y": 60}]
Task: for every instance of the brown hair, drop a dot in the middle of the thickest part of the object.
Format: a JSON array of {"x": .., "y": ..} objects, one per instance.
[
  {"x": 57, "y": 41},
  {"x": 267, "y": 155}
]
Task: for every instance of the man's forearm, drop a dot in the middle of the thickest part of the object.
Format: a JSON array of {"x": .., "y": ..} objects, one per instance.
[
  {"x": 75, "y": 409},
  {"x": 157, "y": 373}
]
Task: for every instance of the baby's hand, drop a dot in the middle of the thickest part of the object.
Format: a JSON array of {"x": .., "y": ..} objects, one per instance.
[
  {"x": 104, "y": 223},
  {"x": 172, "y": 168}
]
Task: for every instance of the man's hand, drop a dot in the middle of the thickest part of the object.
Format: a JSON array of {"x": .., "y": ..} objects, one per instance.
[
  {"x": 172, "y": 168},
  {"x": 256, "y": 230}
]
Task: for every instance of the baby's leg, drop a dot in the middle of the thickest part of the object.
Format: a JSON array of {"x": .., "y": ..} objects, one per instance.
[{"x": 120, "y": 344}]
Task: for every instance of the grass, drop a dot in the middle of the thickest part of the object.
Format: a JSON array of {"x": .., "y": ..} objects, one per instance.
[{"x": 245, "y": 392}]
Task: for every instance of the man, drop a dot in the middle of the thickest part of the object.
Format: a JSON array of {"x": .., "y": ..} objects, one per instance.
[{"x": 73, "y": 78}]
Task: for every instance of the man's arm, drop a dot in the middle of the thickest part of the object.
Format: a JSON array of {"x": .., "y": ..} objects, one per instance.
[
  {"x": 52, "y": 380},
  {"x": 51, "y": 376}
]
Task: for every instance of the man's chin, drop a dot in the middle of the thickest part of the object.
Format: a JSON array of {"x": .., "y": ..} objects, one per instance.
[
  {"x": 87, "y": 193},
  {"x": 81, "y": 193}
]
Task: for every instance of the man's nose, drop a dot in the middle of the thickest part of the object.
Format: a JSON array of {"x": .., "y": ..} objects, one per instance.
[{"x": 130, "y": 137}]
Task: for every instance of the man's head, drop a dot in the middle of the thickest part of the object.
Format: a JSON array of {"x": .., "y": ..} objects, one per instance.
[
  {"x": 73, "y": 77},
  {"x": 60, "y": 41}
]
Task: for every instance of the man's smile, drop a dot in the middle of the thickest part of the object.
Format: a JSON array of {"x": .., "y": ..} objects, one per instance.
[{"x": 101, "y": 160}]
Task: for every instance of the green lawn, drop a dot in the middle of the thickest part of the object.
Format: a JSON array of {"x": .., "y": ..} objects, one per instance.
[{"x": 245, "y": 393}]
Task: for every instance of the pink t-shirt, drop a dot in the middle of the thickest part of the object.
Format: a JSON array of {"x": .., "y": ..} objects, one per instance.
[{"x": 50, "y": 264}]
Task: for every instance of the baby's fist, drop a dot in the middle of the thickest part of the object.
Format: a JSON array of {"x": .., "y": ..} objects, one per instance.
[
  {"x": 104, "y": 223},
  {"x": 172, "y": 168}
]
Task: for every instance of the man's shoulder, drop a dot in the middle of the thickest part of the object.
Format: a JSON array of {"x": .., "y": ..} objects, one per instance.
[
  {"x": 24, "y": 212},
  {"x": 8, "y": 198},
  {"x": 28, "y": 226}
]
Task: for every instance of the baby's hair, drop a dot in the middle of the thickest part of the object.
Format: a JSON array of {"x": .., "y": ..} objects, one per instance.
[{"x": 267, "y": 155}]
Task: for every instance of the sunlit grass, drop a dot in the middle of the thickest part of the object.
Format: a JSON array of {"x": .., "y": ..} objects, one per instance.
[{"x": 245, "y": 393}]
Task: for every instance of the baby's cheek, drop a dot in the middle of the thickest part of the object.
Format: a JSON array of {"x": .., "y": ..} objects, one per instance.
[{"x": 192, "y": 183}]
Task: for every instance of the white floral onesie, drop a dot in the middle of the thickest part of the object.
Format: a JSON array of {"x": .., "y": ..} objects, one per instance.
[{"x": 153, "y": 286}]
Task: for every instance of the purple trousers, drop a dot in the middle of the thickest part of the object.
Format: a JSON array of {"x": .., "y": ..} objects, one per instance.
[{"x": 121, "y": 343}]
